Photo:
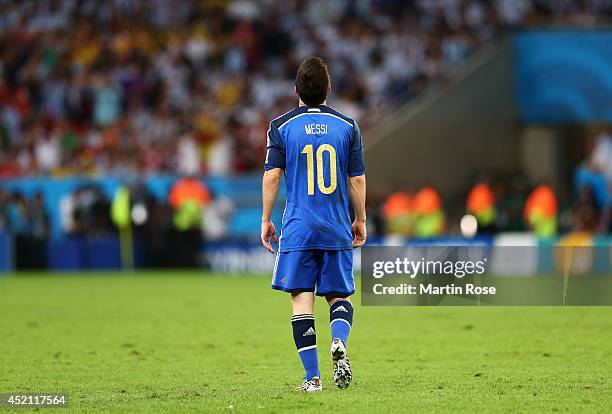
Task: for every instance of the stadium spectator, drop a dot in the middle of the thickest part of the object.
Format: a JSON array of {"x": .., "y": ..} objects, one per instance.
[
  {"x": 89, "y": 210},
  {"x": 430, "y": 219},
  {"x": 188, "y": 197},
  {"x": 586, "y": 214},
  {"x": 481, "y": 204},
  {"x": 3, "y": 210},
  {"x": 593, "y": 185},
  {"x": 16, "y": 213},
  {"x": 541, "y": 211},
  {"x": 398, "y": 212},
  {"x": 27, "y": 222},
  {"x": 39, "y": 232}
]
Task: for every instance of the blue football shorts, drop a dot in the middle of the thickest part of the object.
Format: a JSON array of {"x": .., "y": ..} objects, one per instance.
[{"x": 329, "y": 271}]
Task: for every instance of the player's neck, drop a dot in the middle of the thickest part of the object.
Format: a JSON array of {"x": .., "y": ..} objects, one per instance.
[{"x": 300, "y": 103}]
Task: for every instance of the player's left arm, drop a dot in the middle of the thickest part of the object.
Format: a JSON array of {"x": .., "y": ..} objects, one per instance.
[
  {"x": 274, "y": 166},
  {"x": 357, "y": 188},
  {"x": 357, "y": 193}
]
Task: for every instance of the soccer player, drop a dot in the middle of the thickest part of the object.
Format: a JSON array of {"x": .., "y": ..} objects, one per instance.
[{"x": 320, "y": 152}]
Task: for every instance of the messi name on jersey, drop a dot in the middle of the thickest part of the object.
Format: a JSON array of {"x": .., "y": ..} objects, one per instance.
[{"x": 315, "y": 129}]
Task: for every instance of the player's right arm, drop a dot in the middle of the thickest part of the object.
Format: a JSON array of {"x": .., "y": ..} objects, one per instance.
[
  {"x": 269, "y": 190},
  {"x": 274, "y": 166},
  {"x": 357, "y": 188}
]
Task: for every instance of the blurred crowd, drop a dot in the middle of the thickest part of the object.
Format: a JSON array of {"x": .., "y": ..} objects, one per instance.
[
  {"x": 190, "y": 214},
  {"x": 510, "y": 202},
  {"x": 132, "y": 87},
  {"x": 168, "y": 232},
  {"x": 492, "y": 206},
  {"x": 26, "y": 220}
]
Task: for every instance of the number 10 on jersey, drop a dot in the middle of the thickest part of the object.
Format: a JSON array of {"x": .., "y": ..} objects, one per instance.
[{"x": 308, "y": 150}]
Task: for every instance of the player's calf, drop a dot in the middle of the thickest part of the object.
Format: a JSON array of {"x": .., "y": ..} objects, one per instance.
[
  {"x": 340, "y": 318},
  {"x": 305, "y": 338}
]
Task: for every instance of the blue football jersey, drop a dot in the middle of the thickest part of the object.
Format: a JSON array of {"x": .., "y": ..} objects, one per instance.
[{"x": 318, "y": 148}]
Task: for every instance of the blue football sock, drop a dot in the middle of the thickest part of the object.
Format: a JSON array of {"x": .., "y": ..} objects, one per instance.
[
  {"x": 341, "y": 319},
  {"x": 305, "y": 338}
]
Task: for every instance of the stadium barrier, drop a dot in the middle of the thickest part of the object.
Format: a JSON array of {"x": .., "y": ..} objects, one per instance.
[{"x": 247, "y": 256}]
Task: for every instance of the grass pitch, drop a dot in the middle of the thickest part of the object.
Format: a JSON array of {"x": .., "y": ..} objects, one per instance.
[{"x": 190, "y": 342}]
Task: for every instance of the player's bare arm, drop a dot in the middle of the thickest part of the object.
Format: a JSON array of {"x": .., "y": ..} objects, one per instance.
[
  {"x": 269, "y": 190},
  {"x": 357, "y": 193}
]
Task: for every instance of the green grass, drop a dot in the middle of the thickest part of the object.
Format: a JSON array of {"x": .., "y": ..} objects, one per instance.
[{"x": 190, "y": 342}]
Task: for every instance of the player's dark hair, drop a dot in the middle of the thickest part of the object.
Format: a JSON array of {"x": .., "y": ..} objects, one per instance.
[{"x": 312, "y": 81}]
